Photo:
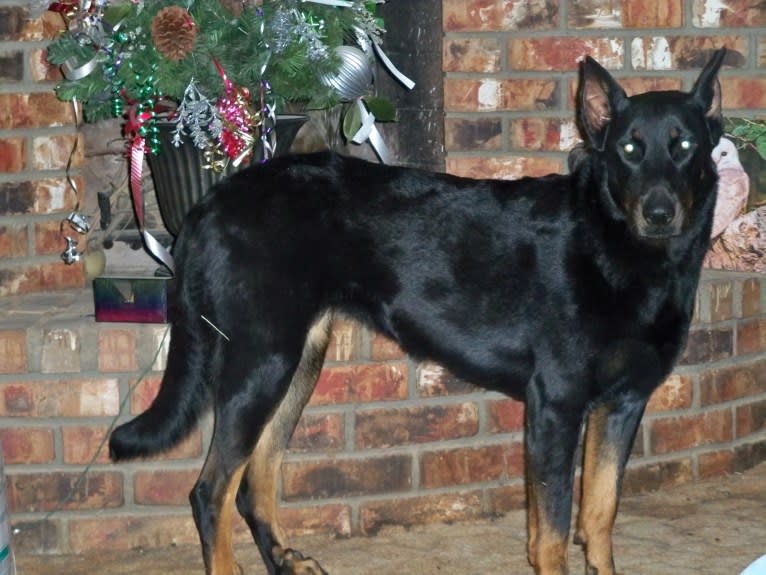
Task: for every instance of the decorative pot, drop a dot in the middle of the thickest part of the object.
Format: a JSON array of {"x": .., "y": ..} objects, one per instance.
[{"x": 180, "y": 179}]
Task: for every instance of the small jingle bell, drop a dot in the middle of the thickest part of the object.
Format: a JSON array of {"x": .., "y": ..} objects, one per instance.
[
  {"x": 79, "y": 222},
  {"x": 70, "y": 255}
]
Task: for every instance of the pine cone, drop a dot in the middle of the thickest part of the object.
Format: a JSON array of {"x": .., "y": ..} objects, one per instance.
[{"x": 173, "y": 32}]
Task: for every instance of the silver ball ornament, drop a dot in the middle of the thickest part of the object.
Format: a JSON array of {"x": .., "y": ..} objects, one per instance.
[{"x": 355, "y": 75}]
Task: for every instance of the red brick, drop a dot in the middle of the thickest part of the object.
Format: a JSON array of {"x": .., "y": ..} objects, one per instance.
[
  {"x": 49, "y": 239},
  {"x": 762, "y": 52},
  {"x": 345, "y": 477},
  {"x": 11, "y": 66},
  {"x": 470, "y": 465},
  {"x": 643, "y": 478},
  {"x": 730, "y": 383},
  {"x": 729, "y": 14},
  {"x": 117, "y": 350},
  {"x": 37, "y": 537},
  {"x": 640, "y": 85},
  {"x": 707, "y": 345},
  {"x": 742, "y": 93},
  {"x": 27, "y": 445},
  {"x": 471, "y": 55},
  {"x": 505, "y": 415},
  {"x": 39, "y": 110},
  {"x": 344, "y": 341},
  {"x": 82, "y": 442},
  {"x": 680, "y": 433},
  {"x": 721, "y": 300},
  {"x": 334, "y": 519},
  {"x": 61, "y": 276},
  {"x": 60, "y": 351},
  {"x": 420, "y": 510},
  {"x": 120, "y": 533},
  {"x": 681, "y": 52},
  {"x": 635, "y": 85},
  {"x": 544, "y": 134},
  {"x": 715, "y": 464},
  {"x": 144, "y": 393},
  {"x": 36, "y": 492},
  {"x": 48, "y": 196},
  {"x": 675, "y": 393},
  {"x": 506, "y": 498},
  {"x": 13, "y": 154},
  {"x": 384, "y": 349},
  {"x": 13, "y": 351},
  {"x": 355, "y": 383},
  {"x": 751, "y": 336},
  {"x": 594, "y": 15},
  {"x": 475, "y": 134},
  {"x": 434, "y": 380},
  {"x": 751, "y": 297},
  {"x": 491, "y": 94},
  {"x": 14, "y": 241},
  {"x": 502, "y": 167},
  {"x": 563, "y": 53},
  {"x": 40, "y": 69},
  {"x": 14, "y": 20},
  {"x": 497, "y": 15},
  {"x": 655, "y": 14},
  {"x": 55, "y": 152},
  {"x": 751, "y": 418},
  {"x": 318, "y": 432},
  {"x": 60, "y": 398},
  {"x": 407, "y": 426},
  {"x": 164, "y": 486},
  {"x": 18, "y": 280}
]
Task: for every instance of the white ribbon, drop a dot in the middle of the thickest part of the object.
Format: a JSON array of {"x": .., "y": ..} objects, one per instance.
[
  {"x": 406, "y": 82},
  {"x": 369, "y": 132},
  {"x": 339, "y": 3}
]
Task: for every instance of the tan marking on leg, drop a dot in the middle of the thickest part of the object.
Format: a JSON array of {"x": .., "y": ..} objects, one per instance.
[
  {"x": 598, "y": 503},
  {"x": 547, "y": 549},
  {"x": 266, "y": 460},
  {"x": 222, "y": 556},
  {"x": 532, "y": 518}
]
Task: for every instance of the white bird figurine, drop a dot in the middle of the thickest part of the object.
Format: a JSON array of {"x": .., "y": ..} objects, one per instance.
[{"x": 733, "y": 186}]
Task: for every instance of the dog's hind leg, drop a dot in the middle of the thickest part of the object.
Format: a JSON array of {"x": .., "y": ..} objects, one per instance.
[
  {"x": 250, "y": 384},
  {"x": 258, "y": 492},
  {"x": 608, "y": 438}
]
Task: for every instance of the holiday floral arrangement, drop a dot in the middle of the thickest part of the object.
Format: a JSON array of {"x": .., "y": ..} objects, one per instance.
[{"x": 220, "y": 70}]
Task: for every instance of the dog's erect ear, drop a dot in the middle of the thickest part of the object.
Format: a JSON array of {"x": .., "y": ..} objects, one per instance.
[
  {"x": 707, "y": 91},
  {"x": 599, "y": 97}
]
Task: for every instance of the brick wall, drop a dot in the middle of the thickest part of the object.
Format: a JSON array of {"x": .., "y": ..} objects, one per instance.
[
  {"x": 511, "y": 69},
  {"x": 37, "y": 136},
  {"x": 385, "y": 440}
]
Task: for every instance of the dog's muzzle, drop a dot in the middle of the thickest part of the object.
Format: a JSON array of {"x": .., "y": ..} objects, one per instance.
[{"x": 660, "y": 214}]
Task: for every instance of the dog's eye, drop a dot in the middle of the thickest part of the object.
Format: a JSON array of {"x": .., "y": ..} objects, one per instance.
[
  {"x": 686, "y": 145},
  {"x": 629, "y": 148}
]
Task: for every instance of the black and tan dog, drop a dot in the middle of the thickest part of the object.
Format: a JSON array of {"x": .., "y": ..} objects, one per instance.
[{"x": 573, "y": 292}]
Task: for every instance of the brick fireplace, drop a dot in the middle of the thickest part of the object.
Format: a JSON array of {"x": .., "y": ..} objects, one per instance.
[{"x": 385, "y": 440}]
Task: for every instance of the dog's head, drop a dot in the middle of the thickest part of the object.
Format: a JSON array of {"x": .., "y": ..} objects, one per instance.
[{"x": 654, "y": 149}]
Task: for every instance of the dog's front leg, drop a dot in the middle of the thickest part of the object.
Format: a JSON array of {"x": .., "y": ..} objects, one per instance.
[
  {"x": 609, "y": 436},
  {"x": 552, "y": 430}
]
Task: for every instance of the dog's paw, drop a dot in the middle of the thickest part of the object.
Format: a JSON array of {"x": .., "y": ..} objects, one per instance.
[{"x": 292, "y": 562}]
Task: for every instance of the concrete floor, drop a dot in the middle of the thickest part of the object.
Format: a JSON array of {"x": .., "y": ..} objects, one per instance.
[{"x": 711, "y": 527}]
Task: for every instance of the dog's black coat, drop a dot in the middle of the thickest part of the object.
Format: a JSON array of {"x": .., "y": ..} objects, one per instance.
[{"x": 574, "y": 292}]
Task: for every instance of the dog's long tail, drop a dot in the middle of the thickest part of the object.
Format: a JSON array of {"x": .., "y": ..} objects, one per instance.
[{"x": 175, "y": 411}]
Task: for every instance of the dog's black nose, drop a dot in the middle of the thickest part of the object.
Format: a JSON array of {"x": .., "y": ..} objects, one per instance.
[{"x": 658, "y": 207}]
